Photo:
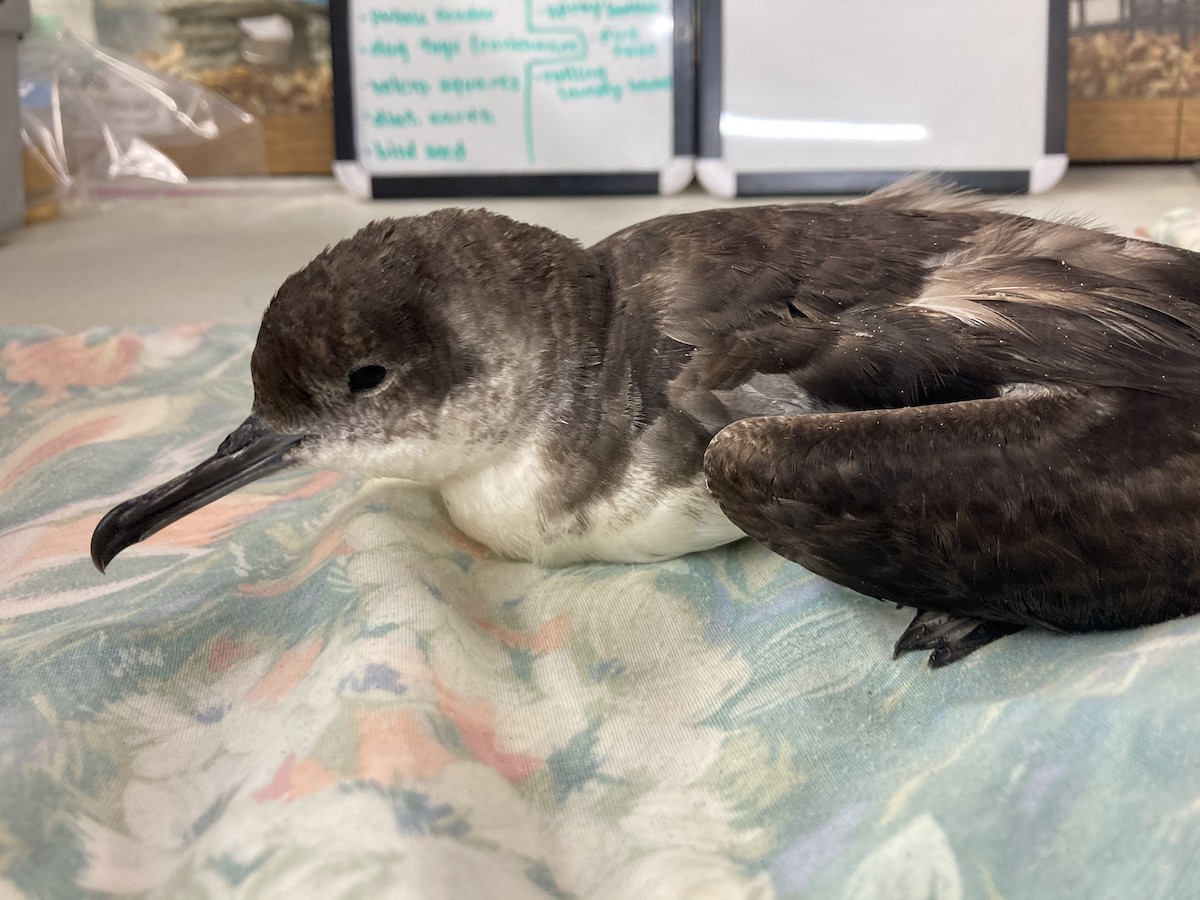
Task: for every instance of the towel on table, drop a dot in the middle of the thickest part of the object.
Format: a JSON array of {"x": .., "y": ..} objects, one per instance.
[{"x": 317, "y": 687}]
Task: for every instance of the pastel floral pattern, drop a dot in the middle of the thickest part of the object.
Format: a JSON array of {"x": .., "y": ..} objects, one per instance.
[{"x": 317, "y": 688}]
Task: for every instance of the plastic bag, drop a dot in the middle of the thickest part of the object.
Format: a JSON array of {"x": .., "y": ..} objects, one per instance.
[
  {"x": 106, "y": 125},
  {"x": 1180, "y": 227}
]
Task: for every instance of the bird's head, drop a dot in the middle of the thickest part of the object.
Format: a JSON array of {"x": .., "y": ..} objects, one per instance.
[{"x": 414, "y": 349}]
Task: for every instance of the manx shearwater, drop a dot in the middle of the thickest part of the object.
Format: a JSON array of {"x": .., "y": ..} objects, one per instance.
[{"x": 987, "y": 417}]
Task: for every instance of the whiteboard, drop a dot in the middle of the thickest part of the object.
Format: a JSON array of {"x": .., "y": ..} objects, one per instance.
[
  {"x": 813, "y": 96},
  {"x": 513, "y": 96}
]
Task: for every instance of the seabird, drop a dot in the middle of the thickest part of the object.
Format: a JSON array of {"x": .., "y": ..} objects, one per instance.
[{"x": 990, "y": 418}]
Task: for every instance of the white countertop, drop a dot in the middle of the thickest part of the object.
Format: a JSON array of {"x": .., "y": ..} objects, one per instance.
[{"x": 218, "y": 251}]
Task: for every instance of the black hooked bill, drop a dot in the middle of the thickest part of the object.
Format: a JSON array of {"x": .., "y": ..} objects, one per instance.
[{"x": 251, "y": 451}]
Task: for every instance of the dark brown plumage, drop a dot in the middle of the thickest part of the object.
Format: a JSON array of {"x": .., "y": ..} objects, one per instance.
[
  {"x": 987, "y": 417},
  {"x": 1056, "y": 484}
]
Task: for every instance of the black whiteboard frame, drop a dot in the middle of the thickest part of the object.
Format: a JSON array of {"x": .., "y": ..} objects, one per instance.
[
  {"x": 523, "y": 184},
  {"x": 709, "y": 100}
]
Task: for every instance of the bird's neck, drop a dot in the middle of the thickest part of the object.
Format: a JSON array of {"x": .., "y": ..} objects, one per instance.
[{"x": 542, "y": 326}]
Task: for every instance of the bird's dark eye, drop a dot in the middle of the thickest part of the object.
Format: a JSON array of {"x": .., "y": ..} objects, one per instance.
[{"x": 366, "y": 378}]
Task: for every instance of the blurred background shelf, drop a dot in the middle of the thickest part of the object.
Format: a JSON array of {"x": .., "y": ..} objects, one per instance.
[{"x": 1134, "y": 80}]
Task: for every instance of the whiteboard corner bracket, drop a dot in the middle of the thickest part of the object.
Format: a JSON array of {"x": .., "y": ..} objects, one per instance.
[
  {"x": 676, "y": 175},
  {"x": 1047, "y": 172},
  {"x": 716, "y": 177},
  {"x": 353, "y": 177}
]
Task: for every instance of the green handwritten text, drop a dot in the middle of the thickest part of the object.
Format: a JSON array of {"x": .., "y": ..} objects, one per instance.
[
  {"x": 401, "y": 87},
  {"x": 479, "y": 84},
  {"x": 390, "y": 49},
  {"x": 447, "y": 48},
  {"x": 475, "y": 115},
  {"x": 628, "y": 50},
  {"x": 524, "y": 45},
  {"x": 590, "y": 91},
  {"x": 469, "y": 14},
  {"x": 616, "y": 10},
  {"x": 642, "y": 85},
  {"x": 456, "y": 152},
  {"x": 387, "y": 118},
  {"x": 562, "y": 10},
  {"x": 614, "y": 35},
  {"x": 573, "y": 73},
  {"x": 398, "y": 17},
  {"x": 392, "y": 150}
]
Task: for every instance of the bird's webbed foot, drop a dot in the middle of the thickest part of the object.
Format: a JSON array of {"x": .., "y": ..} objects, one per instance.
[{"x": 950, "y": 637}]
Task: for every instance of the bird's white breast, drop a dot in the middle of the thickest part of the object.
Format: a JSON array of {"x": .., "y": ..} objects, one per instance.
[{"x": 511, "y": 507}]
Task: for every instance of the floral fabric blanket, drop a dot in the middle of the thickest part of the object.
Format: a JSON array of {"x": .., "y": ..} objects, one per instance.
[{"x": 316, "y": 687}]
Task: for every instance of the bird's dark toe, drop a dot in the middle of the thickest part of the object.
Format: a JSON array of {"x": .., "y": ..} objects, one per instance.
[{"x": 950, "y": 637}]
